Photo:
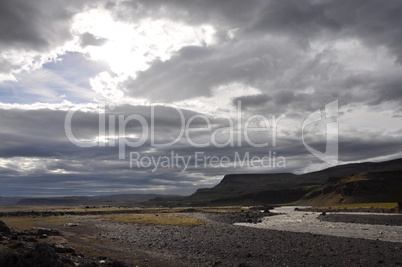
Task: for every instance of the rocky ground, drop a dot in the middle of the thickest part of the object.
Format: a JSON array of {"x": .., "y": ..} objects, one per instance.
[
  {"x": 218, "y": 242},
  {"x": 345, "y": 209},
  {"x": 27, "y": 248},
  {"x": 393, "y": 220}
]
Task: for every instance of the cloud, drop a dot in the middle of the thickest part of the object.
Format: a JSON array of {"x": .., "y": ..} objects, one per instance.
[
  {"x": 44, "y": 158},
  {"x": 31, "y": 33},
  {"x": 374, "y": 23},
  {"x": 224, "y": 13},
  {"x": 251, "y": 101},
  {"x": 196, "y": 71},
  {"x": 289, "y": 46},
  {"x": 276, "y": 57},
  {"x": 90, "y": 39},
  {"x": 294, "y": 18}
]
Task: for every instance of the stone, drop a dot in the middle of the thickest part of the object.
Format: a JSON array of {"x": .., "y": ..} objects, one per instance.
[
  {"x": 4, "y": 229},
  {"x": 67, "y": 261},
  {"x": 14, "y": 236},
  {"x": 48, "y": 232},
  {"x": 120, "y": 264},
  {"x": 62, "y": 249},
  {"x": 31, "y": 239},
  {"x": 71, "y": 225},
  {"x": 18, "y": 245}
]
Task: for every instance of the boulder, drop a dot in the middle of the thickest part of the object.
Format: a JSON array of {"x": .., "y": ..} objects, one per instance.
[
  {"x": 48, "y": 232},
  {"x": 71, "y": 225},
  {"x": 4, "y": 229},
  {"x": 39, "y": 255},
  {"x": 62, "y": 249},
  {"x": 43, "y": 236}
]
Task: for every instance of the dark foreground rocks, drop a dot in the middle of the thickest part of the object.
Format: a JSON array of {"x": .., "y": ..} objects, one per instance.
[{"x": 23, "y": 248}]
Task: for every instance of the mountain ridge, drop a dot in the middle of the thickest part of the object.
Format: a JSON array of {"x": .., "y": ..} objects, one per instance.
[
  {"x": 325, "y": 186},
  {"x": 275, "y": 188}
]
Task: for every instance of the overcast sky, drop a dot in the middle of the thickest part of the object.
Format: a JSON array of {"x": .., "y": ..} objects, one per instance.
[{"x": 81, "y": 83}]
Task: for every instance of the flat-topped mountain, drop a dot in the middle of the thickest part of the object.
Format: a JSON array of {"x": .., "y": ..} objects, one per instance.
[
  {"x": 280, "y": 188},
  {"x": 349, "y": 183}
]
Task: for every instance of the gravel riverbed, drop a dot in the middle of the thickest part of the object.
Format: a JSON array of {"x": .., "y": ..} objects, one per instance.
[{"x": 220, "y": 243}]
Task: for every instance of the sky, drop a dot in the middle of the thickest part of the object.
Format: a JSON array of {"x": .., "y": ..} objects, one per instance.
[{"x": 134, "y": 96}]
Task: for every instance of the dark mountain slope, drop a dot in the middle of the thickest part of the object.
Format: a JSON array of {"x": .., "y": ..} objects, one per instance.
[
  {"x": 364, "y": 187},
  {"x": 275, "y": 188}
]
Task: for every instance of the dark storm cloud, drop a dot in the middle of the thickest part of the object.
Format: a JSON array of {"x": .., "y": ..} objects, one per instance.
[
  {"x": 41, "y": 133},
  {"x": 31, "y": 31},
  {"x": 374, "y": 22},
  {"x": 36, "y": 25},
  {"x": 251, "y": 101},
  {"x": 256, "y": 57},
  {"x": 387, "y": 89},
  {"x": 224, "y": 12},
  {"x": 366, "y": 147},
  {"x": 162, "y": 115},
  {"x": 65, "y": 184},
  {"x": 164, "y": 79},
  {"x": 90, "y": 39},
  {"x": 295, "y": 18},
  {"x": 284, "y": 97},
  {"x": 97, "y": 170},
  {"x": 196, "y": 71},
  {"x": 36, "y": 139}
]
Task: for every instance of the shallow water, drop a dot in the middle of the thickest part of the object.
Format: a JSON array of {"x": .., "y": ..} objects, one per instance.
[{"x": 307, "y": 222}]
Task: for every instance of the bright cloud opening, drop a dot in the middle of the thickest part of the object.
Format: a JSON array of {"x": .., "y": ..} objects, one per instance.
[{"x": 130, "y": 48}]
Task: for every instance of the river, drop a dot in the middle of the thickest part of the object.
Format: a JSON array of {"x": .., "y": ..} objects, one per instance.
[{"x": 302, "y": 221}]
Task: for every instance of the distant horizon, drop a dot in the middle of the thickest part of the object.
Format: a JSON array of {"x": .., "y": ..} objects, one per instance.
[
  {"x": 111, "y": 194},
  {"x": 182, "y": 195}
]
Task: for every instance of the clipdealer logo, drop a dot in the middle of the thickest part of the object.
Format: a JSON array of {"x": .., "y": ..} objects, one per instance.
[
  {"x": 329, "y": 117},
  {"x": 238, "y": 130}
]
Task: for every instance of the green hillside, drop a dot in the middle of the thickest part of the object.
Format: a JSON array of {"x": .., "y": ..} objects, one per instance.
[{"x": 364, "y": 187}]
